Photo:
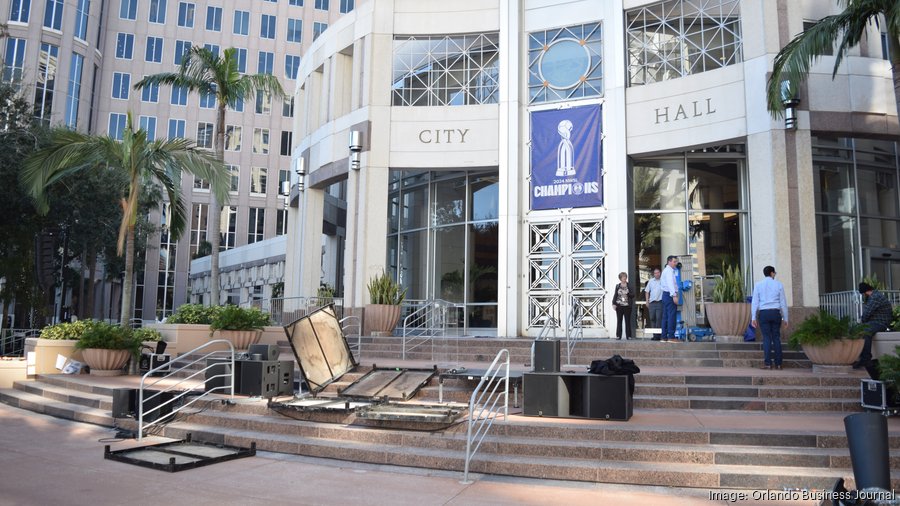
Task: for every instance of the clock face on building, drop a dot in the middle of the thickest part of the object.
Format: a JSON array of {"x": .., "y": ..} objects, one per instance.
[{"x": 564, "y": 64}]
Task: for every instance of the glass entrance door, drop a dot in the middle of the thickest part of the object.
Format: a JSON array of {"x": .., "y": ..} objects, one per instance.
[{"x": 885, "y": 266}]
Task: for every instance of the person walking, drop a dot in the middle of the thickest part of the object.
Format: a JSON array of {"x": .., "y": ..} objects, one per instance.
[
  {"x": 876, "y": 316},
  {"x": 622, "y": 298},
  {"x": 653, "y": 296},
  {"x": 669, "y": 299},
  {"x": 769, "y": 312}
]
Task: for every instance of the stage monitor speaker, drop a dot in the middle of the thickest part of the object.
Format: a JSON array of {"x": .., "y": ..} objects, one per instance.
[
  {"x": 161, "y": 347},
  {"x": 543, "y": 396},
  {"x": 260, "y": 378},
  {"x": 546, "y": 355},
  {"x": 123, "y": 402},
  {"x": 267, "y": 351}
]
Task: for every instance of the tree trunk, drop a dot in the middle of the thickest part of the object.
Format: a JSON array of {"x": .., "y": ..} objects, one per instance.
[
  {"x": 127, "y": 302},
  {"x": 212, "y": 230},
  {"x": 92, "y": 271}
]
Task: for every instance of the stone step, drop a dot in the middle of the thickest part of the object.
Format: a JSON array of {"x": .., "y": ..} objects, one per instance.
[
  {"x": 64, "y": 394},
  {"x": 749, "y": 404},
  {"x": 57, "y": 408},
  {"x": 747, "y": 391}
]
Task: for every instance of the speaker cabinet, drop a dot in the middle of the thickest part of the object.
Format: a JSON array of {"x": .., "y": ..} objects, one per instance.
[
  {"x": 123, "y": 402},
  {"x": 546, "y": 355},
  {"x": 285, "y": 378},
  {"x": 260, "y": 378},
  {"x": 266, "y": 351},
  {"x": 578, "y": 395},
  {"x": 217, "y": 375}
]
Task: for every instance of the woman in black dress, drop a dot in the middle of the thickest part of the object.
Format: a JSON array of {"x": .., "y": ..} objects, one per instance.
[{"x": 622, "y": 299}]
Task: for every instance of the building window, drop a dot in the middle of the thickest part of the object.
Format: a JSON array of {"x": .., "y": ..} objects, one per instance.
[
  {"x": 266, "y": 63},
  {"x": 263, "y": 102},
  {"x": 261, "y": 141},
  {"x": 176, "y": 128},
  {"x": 346, "y": 6},
  {"x": 127, "y": 9},
  {"x": 287, "y": 107},
  {"x": 154, "y": 50},
  {"x": 74, "y": 90},
  {"x": 227, "y": 227},
  {"x": 296, "y": 3},
  {"x": 46, "y": 83},
  {"x": 322, "y": 5},
  {"x": 281, "y": 222},
  {"x": 565, "y": 63},
  {"x": 294, "y": 30},
  {"x": 53, "y": 12},
  {"x": 14, "y": 60},
  {"x": 121, "y": 85},
  {"x": 181, "y": 48},
  {"x": 214, "y": 18},
  {"x": 19, "y": 11},
  {"x": 199, "y": 217},
  {"x": 240, "y": 55},
  {"x": 318, "y": 29},
  {"x": 150, "y": 93},
  {"x": 124, "y": 46},
  {"x": 677, "y": 38},
  {"x": 241, "y": 23},
  {"x": 148, "y": 124},
  {"x": 286, "y": 138},
  {"x": 443, "y": 238},
  {"x": 234, "y": 172},
  {"x": 267, "y": 26},
  {"x": 208, "y": 99},
  {"x": 186, "y": 14},
  {"x": 291, "y": 65},
  {"x": 238, "y": 105},
  {"x": 233, "y": 137},
  {"x": 446, "y": 70},
  {"x": 82, "y": 11},
  {"x": 201, "y": 184},
  {"x": 284, "y": 176},
  {"x": 165, "y": 287},
  {"x": 158, "y": 11},
  {"x": 179, "y": 95},
  {"x": 256, "y": 225},
  {"x": 212, "y": 48},
  {"x": 116, "y": 125},
  {"x": 694, "y": 204},
  {"x": 258, "y": 180},
  {"x": 204, "y": 135}
]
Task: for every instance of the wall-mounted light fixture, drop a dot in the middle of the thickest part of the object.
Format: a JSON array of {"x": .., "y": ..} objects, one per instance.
[
  {"x": 355, "y": 148},
  {"x": 790, "y": 101},
  {"x": 301, "y": 173}
]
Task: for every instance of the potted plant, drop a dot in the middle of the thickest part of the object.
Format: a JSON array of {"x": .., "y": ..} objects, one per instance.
[
  {"x": 106, "y": 348},
  {"x": 828, "y": 340},
  {"x": 729, "y": 312},
  {"x": 241, "y": 326},
  {"x": 385, "y": 297}
]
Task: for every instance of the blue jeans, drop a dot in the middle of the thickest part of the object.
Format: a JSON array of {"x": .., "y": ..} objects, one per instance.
[
  {"x": 669, "y": 315},
  {"x": 769, "y": 321},
  {"x": 871, "y": 330}
]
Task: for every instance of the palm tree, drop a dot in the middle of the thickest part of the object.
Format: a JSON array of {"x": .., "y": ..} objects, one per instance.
[
  {"x": 792, "y": 63},
  {"x": 70, "y": 152},
  {"x": 207, "y": 73}
]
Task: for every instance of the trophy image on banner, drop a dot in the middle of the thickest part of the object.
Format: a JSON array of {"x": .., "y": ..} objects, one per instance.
[{"x": 565, "y": 151}]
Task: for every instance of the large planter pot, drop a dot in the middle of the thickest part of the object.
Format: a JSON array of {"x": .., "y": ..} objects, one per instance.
[
  {"x": 382, "y": 317},
  {"x": 105, "y": 362},
  {"x": 837, "y": 352},
  {"x": 728, "y": 318},
  {"x": 240, "y": 339}
]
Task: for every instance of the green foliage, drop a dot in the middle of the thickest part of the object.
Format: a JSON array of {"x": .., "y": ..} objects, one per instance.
[
  {"x": 233, "y": 317},
  {"x": 895, "y": 321},
  {"x": 889, "y": 370},
  {"x": 145, "y": 334},
  {"x": 325, "y": 291},
  {"x": 822, "y": 328},
  {"x": 873, "y": 281},
  {"x": 62, "y": 331},
  {"x": 108, "y": 337},
  {"x": 730, "y": 287},
  {"x": 384, "y": 290},
  {"x": 196, "y": 314}
]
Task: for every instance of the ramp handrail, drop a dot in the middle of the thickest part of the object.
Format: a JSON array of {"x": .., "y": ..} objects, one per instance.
[
  {"x": 352, "y": 323},
  {"x": 486, "y": 396},
  {"x": 188, "y": 362},
  {"x": 574, "y": 330},
  {"x": 427, "y": 322}
]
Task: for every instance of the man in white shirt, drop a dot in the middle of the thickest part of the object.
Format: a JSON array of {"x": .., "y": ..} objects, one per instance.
[
  {"x": 669, "y": 299},
  {"x": 769, "y": 311},
  {"x": 653, "y": 293}
]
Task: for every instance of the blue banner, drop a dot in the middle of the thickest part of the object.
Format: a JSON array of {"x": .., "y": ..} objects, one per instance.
[{"x": 566, "y": 158}]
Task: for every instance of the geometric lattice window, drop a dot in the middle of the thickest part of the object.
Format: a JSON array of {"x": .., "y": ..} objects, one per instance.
[
  {"x": 565, "y": 63},
  {"x": 446, "y": 70},
  {"x": 677, "y": 38}
]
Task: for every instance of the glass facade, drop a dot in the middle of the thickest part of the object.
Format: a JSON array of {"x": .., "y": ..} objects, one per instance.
[
  {"x": 443, "y": 239},
  {"x": 565, "y": 63}
]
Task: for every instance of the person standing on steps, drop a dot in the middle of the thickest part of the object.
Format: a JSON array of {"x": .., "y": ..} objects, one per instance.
[
  {"x": 653, "y": 293},
  {"x": 876, "y": 316},
  {"x": 669, "y": 299},
  {"x": 622, "y": 298},
  {"x": 769, "y": 312}
]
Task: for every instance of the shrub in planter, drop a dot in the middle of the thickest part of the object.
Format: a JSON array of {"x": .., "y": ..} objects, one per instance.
[
  {"x": 828, "y": 340},
  {"x": 729, "y": 312},
  {"x": 146, "y": 335},
  {"x": 105, "y": 336},
  {"x": 730, "y": 288},
  {"x": 61, "y": 331},
  {"x": 233, "y": 317},
  {"x": 385, "y": 295},
  {"x": 196, "y": 314}
]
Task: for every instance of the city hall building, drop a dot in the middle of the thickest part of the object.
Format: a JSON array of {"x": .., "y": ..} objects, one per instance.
[{"x": 513, "y": 157}]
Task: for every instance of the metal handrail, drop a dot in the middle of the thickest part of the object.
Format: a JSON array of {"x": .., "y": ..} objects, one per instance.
[
  {"x": 183, "y": 358},
  {"x": 284, "y": 310},
  {"x": 486, "y": 396},
  {"x": 574, "y": 331},
  {"x": 352, "y": 323},
  {"x": 426, "y": 323},
  {"x": 12, "y": 341}
]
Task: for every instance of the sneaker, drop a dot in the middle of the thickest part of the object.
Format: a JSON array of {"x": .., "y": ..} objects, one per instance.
[{"x": 766, "y": 367}]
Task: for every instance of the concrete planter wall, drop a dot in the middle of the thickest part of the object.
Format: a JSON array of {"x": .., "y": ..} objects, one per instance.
[
  {"x": 885, "y": 343},
  {"x": 182, "y": 337},
  {"x": 838, "y": 352},
  {"x": 728, "y": 318},
  {"x": 46, "y": 352}
]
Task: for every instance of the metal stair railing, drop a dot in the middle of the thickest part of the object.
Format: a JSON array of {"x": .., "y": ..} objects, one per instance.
[
  {"x": 352, "y": 326},
  {"x": 487, "y": 397},
  {"x": 12, "y": 341},
  {"x": 188, "y": 362},
  {"x": 574, "y": 331},
  {"x": 427, "y": 322},
  {"x": 285, "y": 310}
]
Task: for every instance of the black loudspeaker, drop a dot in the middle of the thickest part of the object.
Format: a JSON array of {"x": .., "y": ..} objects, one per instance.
[
  {"x": 542, "y": 395},
  {"x": 546, "y": 355},
  {"x": 161, "y": 347},
  {"x": 123, "y": 402},
  {"x": 260, "y": 378},
  {"x": 285, "y": 378},
  {"x": 217, "y": 370},
  {"x": 578, "y": 395},
  {"x": 156, "y": 404},
  {"x": 267, "y": 351}
]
